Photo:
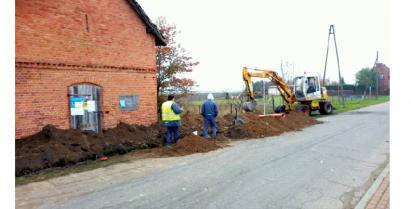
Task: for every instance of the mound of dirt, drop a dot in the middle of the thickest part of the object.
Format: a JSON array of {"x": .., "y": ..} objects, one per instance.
[
  {"x": 53, "y": 147},
  {"x": 258, "y": 127},
  {"x": 194, "y": 122},
  {"x": 190, "y": 144},
  {"x": 127, "y": 134}
]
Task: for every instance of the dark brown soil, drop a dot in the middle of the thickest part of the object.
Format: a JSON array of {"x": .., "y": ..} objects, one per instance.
[
  {"x": 258, "y": 127},
  {"x": 53, "y": 147},
  {"x": 190, "y": 144}
]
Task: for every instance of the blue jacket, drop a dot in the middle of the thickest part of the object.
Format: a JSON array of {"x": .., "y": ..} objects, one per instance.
[
  {"x": 177, "y": 110},
  {"x": 209, "y": 108}
]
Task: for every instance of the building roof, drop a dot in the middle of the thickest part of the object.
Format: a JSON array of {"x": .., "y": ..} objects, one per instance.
[
  {"x": 382, "y": 67},
  {"x": 150, "y": 27}
]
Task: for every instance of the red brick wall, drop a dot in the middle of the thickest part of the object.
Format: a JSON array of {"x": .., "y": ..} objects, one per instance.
[
  {"x": 54, "y": 50},
  {"x": 383, "y": 85},
  {"x": 42, "y": 96},
  {"x": 55, "y": 31}
]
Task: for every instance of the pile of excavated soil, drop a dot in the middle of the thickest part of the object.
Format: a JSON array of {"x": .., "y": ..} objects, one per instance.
[
  {"x": 53, "y": 147},
  {"x": 190, "y": 144},
  {"x": 258, "y": 127},
  {"x": 254, "y": 126},
  {"x": 194, "y": 122}
]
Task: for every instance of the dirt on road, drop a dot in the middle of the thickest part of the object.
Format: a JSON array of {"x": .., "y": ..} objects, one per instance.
[{"x": 54, "y": 147}]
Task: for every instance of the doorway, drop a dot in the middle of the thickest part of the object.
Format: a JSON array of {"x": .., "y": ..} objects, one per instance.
[{"x": 85, "y": 107}]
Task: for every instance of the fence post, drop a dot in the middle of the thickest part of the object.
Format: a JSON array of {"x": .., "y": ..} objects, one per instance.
[{"x": 272, "y": 98}]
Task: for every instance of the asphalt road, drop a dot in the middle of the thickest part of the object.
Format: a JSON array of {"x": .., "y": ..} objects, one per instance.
[{"x": 330, "y": 165}]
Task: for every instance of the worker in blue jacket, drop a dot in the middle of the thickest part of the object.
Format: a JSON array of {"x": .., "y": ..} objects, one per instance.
[
  {"x": 170, "y": 115},
  {"x": 209, "y": 111}
]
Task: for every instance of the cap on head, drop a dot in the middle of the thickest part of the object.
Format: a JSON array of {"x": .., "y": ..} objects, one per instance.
[
  {"x": 210, "y": 96},
  {"x": 170, "y": 97}
]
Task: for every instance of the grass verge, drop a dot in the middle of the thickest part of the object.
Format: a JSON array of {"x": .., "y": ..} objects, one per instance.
[
  {"x": 356, "y": 104},
  {"x": 353, "y": 104}
]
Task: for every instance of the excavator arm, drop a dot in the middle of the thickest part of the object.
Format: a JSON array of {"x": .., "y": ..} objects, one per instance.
[{"x": 284, "y": 90}]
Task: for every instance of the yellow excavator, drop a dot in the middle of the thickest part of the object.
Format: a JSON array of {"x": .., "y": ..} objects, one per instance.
[{"x": 307, "y": 94}]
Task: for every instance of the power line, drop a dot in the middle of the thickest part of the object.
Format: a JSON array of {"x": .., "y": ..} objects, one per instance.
[{"x": 331, "y": 31}]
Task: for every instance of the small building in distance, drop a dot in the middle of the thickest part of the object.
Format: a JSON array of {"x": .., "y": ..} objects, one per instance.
[{"x": 383, "y": 79}]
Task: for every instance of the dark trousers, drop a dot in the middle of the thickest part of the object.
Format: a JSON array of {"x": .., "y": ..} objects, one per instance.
[
  {"x": 172, "y": 130},
  {"x": 209, "y": 121}
]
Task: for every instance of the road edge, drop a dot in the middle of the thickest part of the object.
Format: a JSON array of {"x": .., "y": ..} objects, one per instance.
[{"x": 369, "y": 194}]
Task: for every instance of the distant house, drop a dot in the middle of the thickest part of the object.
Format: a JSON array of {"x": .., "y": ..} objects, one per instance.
[
  {"x": 383, "y": 78},
  {"x": 84, "y": 64}
]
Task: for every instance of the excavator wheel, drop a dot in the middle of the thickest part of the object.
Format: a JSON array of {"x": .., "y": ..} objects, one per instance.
[
  {"x": 280, "y": 109},
  {"x": 303, "y": 108},
  {"x": 326, "y": 108}
]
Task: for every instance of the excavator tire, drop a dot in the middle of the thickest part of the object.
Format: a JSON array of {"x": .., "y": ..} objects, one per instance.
[
  {"x": 326, "y": 108},
  {"x": 280, "y": 109},
  {"x": 303, "y": 108}
]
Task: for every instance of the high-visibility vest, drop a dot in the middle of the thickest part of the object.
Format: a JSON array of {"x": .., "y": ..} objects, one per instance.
[{"x": 167, "y": 113}]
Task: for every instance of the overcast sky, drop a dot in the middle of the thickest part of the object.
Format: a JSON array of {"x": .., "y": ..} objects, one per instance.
[{"x": 226, "y": 35}]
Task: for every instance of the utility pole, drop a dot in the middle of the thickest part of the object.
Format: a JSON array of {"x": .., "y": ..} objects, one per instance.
[
  {"x": 264, "y": 95},
  {"x": 341, "y": 88},
  {"x": 378, "y": 77}
]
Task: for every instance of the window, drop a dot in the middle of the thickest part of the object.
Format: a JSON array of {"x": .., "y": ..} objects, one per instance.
[
  {"x": 129, "y": 102},
  {"x": 299, "y": 87},
  {"x": 382, "y": 76}
]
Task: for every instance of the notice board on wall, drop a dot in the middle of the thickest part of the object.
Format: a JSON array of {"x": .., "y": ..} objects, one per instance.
[
  {"x": 128, "y": 102},
  {"x": 76, "y": 106}
]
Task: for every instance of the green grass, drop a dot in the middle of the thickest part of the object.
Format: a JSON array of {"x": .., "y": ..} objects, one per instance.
[
  {"x": 228, "y": 106},
  {"x": 352, "y": 104}
]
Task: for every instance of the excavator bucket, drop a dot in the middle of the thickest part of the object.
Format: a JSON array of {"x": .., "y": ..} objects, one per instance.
[{"x": 249, "y": 106}]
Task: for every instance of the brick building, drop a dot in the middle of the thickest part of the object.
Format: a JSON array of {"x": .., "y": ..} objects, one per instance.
[
  {"x": 84, "y": 64},
  {"x": 383, "y": 78}
]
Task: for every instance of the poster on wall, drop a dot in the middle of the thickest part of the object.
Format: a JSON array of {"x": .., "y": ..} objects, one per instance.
[
  {"x": 91, "y": 106},
  {"x": 122, "y": 103},
  {"x": 76, "y": 106}
]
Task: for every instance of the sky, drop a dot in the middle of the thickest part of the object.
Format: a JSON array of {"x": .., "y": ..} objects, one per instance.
[{"x": 225, "y": 36}]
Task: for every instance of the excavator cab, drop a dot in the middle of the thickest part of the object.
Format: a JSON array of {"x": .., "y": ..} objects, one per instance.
[{"x": 307, "y": 88}]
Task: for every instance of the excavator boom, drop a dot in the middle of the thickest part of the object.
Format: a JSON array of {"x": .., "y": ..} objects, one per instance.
[{"x": 284, "y": 90}]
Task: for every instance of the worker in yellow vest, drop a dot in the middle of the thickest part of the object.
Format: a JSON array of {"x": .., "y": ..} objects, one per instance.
[{"x": 170, "y": 115}]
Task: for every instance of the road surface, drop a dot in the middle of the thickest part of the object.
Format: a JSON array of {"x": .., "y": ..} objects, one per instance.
[{"x": 329, "y": 165}]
